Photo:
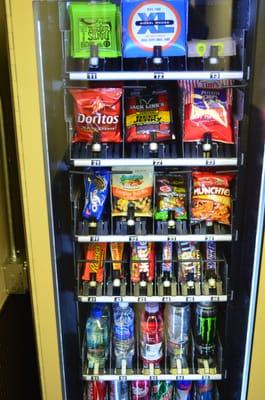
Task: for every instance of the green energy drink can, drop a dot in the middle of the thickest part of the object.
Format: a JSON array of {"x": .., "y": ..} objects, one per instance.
[
  {"x": 206, "y": 328},
  {"x": 162, "y": 390}
]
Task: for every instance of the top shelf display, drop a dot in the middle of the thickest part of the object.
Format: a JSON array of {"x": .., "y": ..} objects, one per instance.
[{"x": 151, "y": 40}]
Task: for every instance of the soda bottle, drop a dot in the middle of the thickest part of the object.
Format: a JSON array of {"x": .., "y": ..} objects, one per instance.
[
  {"x": 183, "y": 390},
  {"x": 206, "y": 328},
  {"x": 162, "y": 390},
  {"x": 123, "y": 334},
  {"x": 151, "y": 335},
  {"x": 178, "y": 327},
  {"x": 204, "y": 390},
  {"x": 97, "y": 338},
  {"x": 119, "y": 390},
  {"x": 141, "y": 390},
  {"x": 95, "y": 391}
]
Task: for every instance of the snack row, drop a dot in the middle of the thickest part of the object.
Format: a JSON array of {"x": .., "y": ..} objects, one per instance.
[
  {"x": 187, "y": 264},
  {"x": 97, "y": 30},
  {"x": 150, "y": 115},
  {"x": 164, "y": 196}
]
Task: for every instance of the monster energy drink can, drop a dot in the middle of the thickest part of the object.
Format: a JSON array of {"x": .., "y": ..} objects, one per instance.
[
  {"x": 206, "y": 328},
  {"x": 162, "y": 390}
]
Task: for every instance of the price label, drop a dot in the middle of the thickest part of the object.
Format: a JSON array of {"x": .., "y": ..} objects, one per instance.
[
  {"x": 157, "y": 163},
  {"x": 171, "y": 238},
  {"x": 92, "y": 76},
  {"x": 206, "y": 377},
  {"x": 122, "y": 378},
  {"x": 180, "y": 377},
  {"x": 94, "y": 377},
  {"x": 133, "y": 238},
  {"x": 215, "y": 298},
  {"x": 159, "y": 75},
  {"x": 190, "y": 299},
  {"x": 118, "y": 299},
  {"x": 153, "y": 378},
  {"x": 94, "y": 239},
  {"x": 92, "y": 299},
  {"x": 214, "y": 75},
  {"x": 209, "y": 238},
  {"x": 166, "y": 299},
  {"x": 142, "y": 299},
  {"x": 95, "y": 163},
  {"x": 209, "y": 162}
]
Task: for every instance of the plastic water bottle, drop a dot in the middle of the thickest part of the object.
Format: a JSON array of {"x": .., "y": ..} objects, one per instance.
[
  {"x": 123, "y": 335},
  {"x": 152, "y": 336},
  {"x": 97, "y": 338}
]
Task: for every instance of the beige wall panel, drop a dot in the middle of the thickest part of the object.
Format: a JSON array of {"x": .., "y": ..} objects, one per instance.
[{"x": 29, "y": 143}]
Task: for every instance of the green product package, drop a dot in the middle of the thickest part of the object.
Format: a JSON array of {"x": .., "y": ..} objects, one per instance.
[{"x": 95, "y": 24}]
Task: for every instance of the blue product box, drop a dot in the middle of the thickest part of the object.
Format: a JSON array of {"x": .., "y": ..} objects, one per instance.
[{"x": 150, "y": 23}]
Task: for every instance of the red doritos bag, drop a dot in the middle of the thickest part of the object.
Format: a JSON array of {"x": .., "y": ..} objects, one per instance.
[
  {"x": 97, "y": 111},
  {"x": 208, "y": 110}
]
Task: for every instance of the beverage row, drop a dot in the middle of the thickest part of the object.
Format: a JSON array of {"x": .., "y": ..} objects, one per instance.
[
  {"x": 192, "y": 112},
  {"x": 157, "y": 334},
  {"x": 140, "y": 201},
  {"x": 146, "y": 390},
  {"x": 149, "y": 268}
]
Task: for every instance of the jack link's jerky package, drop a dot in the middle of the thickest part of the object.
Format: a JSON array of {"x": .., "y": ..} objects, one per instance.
[
  {"x": 97, "y": 111},
  {"x": 95, "y": 23},
  {"x": 96, "y": 193},
  {"x": 132, "y": 185},
  {"x": 146, "y": 24},
  {"x": 148, "y": 112}
]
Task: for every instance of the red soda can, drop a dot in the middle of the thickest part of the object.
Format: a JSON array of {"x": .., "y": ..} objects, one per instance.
[
  {"x": 141, "y": 390},
  {"x": 96, "y": 390}
]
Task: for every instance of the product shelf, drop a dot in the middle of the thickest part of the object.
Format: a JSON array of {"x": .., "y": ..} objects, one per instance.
[
  {"x": 153, "y": 238},
  {"x": 161, "y": 377},
  {"x": 153, "y": 299}
]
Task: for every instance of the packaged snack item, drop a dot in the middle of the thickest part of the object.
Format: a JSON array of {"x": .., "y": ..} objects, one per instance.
[
  {"x": 170, "y": 196},
  {"x": 148, "y": 113},
  {"x": 208, "y": 110},
  {"x": 211, "y": 256},
  {"x": 116, "y": 250},
  {"x": 132, "y": 185},
  {"x": 154, "y": 23},
  {"x": 97, "y": 112},
  {"x": 211, "y": 197},
  {"x": 95, "y": 23},
  {"x": 96, "y": 193},
  {"x": 143, "y": 261},
  {"x": 96, "y": 254},
  {"x": 190, "y": 252},
  {"x": 167, "y": 262}
]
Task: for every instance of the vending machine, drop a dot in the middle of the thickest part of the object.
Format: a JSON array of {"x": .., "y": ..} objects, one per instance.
[{"x": 142, "y": 174}]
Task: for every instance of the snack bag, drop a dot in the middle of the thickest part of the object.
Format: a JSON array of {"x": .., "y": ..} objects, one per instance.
[
  {"x": 132, "y": 185},
  {"x": 190, "y": 252},
  {"x": 148, "y": 113},
  {"x": 211, "y": 256},
  {"x": 95, "y": 23},
  {"x": 211, "y": 197},
  {"x": 170, "y": 196},
  {"x": 95, "y": 253},
  {"x": 208, "y": 110},
  {"x": 96, "y": 193},
  {"x": 154, "y": 23},
  {"x": 143, "y": 260},
  {"x": 97, "y": 111}
]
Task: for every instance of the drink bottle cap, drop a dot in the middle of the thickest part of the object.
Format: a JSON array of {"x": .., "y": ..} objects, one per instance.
[
  {"x": 152, "y": 307},
  {"x": 123, "y": 305},
  {"x": 96, "y": 312}
]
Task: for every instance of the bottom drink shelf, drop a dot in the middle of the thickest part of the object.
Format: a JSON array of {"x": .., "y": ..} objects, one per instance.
[{"x": 161, "y": 377}]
